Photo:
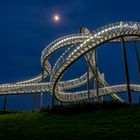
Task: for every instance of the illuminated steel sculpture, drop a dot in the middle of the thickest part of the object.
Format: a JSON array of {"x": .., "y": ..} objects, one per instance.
[{"x": 82, "y": 44}]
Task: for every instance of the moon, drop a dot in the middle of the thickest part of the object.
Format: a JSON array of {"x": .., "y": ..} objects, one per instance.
[{"x": 56, "y": 18}]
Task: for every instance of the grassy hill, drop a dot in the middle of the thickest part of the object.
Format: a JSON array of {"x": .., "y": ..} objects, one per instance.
[{"x": 113, "y": 123}]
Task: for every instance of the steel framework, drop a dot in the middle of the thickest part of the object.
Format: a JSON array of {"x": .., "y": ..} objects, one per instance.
[{"x": 77, "y": 45}]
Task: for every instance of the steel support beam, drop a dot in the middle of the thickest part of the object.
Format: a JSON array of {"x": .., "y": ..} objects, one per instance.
[
  {"x": 5, "y": 103},
  {"x": 94, "y": 73},
  {"x": 137, "y": 57},
  {"x": 88, "y": 80},
  {"x": 41, "y": 101},
  {"x": 96, "y": 77},
  {"x": 126, "y": 69},
  {"x": 41, "y": 95},
  {"x": 34, "y": 102}
]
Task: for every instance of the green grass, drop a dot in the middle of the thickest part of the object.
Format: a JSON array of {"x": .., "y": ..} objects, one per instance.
[{"x": 102, "y": 123}]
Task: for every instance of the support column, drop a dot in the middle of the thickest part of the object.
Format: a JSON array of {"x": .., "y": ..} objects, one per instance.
[
  {"x": 88, "y": 81},
  {"x": 137, "y": 57},
  {"x": 102, "y": 97},
  {"x": 41, "y": 95},
  {"x": 53, "y": 100},
  {"x": 5, "y": 103},
  {"x": 41, "y": 101},
  {"x": 126, "y": 69},
  {"x": 96, "y": 77},
  {"x": 34, "y": 102}
]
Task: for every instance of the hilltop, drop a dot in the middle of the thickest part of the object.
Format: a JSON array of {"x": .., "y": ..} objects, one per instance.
[{"x": 99, "y": 122}]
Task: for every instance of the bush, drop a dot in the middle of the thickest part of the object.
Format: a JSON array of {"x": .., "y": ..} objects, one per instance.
[{"x": 84, "y": 107}]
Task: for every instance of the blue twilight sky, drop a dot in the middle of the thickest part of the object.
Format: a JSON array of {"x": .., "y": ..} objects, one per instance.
[{"x": 26, "y": 27}]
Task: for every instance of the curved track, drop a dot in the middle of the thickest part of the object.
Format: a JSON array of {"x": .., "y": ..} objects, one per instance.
[{"x": 77, "y": 45}]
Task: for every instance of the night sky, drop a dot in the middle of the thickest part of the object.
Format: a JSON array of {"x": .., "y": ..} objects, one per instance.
[{"x": 26, "y": 27}]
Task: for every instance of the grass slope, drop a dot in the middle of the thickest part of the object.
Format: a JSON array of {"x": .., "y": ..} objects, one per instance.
[{"x": 115, "y": 124}]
